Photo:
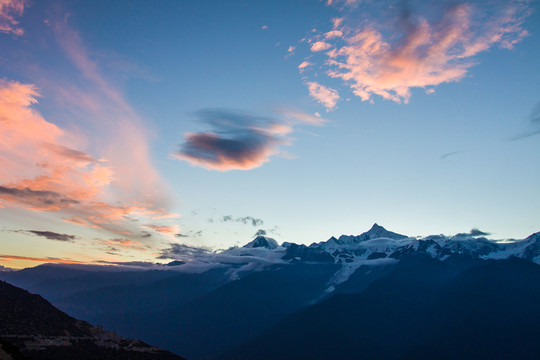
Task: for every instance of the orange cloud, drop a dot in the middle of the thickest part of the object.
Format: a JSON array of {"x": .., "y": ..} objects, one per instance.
[
  {"x": 43, "y": 260},
  {"x": 164, "y": 229},
  {"x": 389, "y": 64},
  {"x": 126, "y": 244},
  {"x": 9, "y": 9}
]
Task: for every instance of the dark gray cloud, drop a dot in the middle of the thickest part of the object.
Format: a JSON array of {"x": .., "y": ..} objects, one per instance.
[
  {"x": 474, "y": 232},
  {"x": 72, "y": 154},
  {"x": 181, "y": 251},
  {"x": 235, "y": 141},
  {"x": 51, "y": 235},
  {"x": 36, "y": 198},
  {"x": 189, "y": 234},
  {"x": 478, "y": 232},
  {"x": 140, "y": 264},
  {"x": 250, "y": 220},
  {"x": 244, "y": 220},
  {"x": 260, "y": 232}
]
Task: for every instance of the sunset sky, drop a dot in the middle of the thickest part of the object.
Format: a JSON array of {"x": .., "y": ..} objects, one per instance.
[{"x": 128, "y": 126}]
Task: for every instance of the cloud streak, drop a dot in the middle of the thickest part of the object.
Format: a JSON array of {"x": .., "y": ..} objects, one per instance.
[
  {"x": 534, "y": 124},
  {"x": 42, "y": 260},
  {"x": 51, "y": 235},
  {"x": 421, "y": 49}
]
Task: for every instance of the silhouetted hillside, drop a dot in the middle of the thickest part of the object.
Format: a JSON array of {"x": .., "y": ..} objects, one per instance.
[{"x": 31, "y": 327}]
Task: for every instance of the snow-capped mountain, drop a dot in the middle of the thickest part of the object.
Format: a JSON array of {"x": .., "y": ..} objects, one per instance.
[
  {"x": 380, "y": 243},
  {"x": 262, "y": 241},
  {"x": 375, "y": 247}
]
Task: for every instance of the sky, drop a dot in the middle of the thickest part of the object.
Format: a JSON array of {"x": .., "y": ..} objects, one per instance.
[{"x": 127, "y": 127}]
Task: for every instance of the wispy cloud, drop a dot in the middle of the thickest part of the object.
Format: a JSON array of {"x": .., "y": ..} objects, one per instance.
[
  {"x": 118, "y": 244},
  {"x": 533, "y": 125},
  {"x": 448, "y": 154},
  {"x": 164, "y": 229},
  {"x": 244, "y": 220},
  {"x": 295, "y": 116},
  {"x": 183, "y": 252},
  {"x": 36, "y": 199},
  {"x": 304, "y": 65},
  {"x": 86, "y": 181},
  {"x": 325, "y": 95},
  {"x": 9, "y": 11},
  {"x": 42, "y": 259},
  {"x": 428, "y": 45},
  {"x": 51, "y": 235}
]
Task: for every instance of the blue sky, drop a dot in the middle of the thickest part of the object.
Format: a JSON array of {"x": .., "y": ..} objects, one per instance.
[{"x": 129, "y": 125}]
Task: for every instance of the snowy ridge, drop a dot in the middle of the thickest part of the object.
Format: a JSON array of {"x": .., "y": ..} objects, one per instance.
[{"x": 376, "y": 247}]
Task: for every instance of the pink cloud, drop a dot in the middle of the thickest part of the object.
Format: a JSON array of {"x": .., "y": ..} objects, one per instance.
[
  {"x": 333, "y": 34},
  {"x": 9, "y": 10},
  {"x": 304, "y": 65},
  {"x": 44, "y": 171},
  {"x": 320, "y": 46},
  {"x": 377, "y": 61},
  {"x": 295, "y": 115},
  {"x": 325, "y": 95}
]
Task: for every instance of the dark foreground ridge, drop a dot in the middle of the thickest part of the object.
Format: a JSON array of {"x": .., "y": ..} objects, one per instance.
[{"x": 31, "y": 328}]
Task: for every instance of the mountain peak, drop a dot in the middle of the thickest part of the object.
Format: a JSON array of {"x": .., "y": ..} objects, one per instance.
[
  {"x": 262, "y": 241},
  {"x": 376, "y": 227},
  {"x": 378, "y": 231}
]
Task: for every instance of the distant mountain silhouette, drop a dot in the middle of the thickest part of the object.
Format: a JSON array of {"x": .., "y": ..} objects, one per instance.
[
  {"x": 30, "y": 327},
  {"x": 422, "y": 310}
]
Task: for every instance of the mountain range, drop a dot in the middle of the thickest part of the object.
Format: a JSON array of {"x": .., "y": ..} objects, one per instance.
[{"x": 378, "y": 295}]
